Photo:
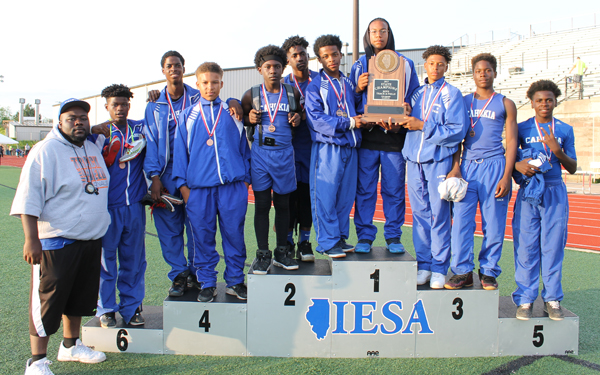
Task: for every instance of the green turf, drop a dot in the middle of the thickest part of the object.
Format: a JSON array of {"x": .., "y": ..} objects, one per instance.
[{"x": 580, "y": 281}]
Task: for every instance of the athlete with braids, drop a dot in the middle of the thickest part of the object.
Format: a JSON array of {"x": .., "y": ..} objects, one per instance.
[
  {"x": 436, "y": 127},
  {"x": 300, "y": 213},
  {"x": 269, "y": 108},
  {"x": 380, "y": 149},
  {"x": 540, "y": 217},
  {"x": 124, "y": 239},
  {"x": 335, "y": 131},
  {"x": 488, "y": 171}
]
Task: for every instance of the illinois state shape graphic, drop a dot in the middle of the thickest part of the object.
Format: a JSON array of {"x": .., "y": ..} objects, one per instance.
[{"x": 317, "y": 316}]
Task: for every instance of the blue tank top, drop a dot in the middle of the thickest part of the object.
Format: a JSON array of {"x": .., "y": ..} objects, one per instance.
[
  {"x": 487, "y": 142},
  {"x": 280, "y": 130}
]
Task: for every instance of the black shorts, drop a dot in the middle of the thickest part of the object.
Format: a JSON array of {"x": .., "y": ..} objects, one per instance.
[{"x": 66, "y": 282}]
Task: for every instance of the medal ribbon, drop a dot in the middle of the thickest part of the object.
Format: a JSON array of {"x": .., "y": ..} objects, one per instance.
[
  {"x": 125, "y": 138},
  {"x": 272, "y": 117},
  {"x": 431, "y": 105},
  {"x": 340, "y": 97},
  {"x": 480, "y": 112},
  {"x": 297, "y": 85},
  {"x": 211, "y": 133},
  {"x": 171, "y": 104},
  {"x": 537, "y": 125}
]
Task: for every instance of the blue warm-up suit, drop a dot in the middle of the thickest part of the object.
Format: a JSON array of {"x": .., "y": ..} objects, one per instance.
[
  {"x": 215, "y": 174},
  {"x": 483, "y": 166},
  {"x": 333, "y": 164},
  {"x": 540, "y": 231},
  {"x": 428, "y": 153},
  {"x": 160, "y": 135},
  {"x": 381, "y": 149},
  {"x": 124, "y": 238}
]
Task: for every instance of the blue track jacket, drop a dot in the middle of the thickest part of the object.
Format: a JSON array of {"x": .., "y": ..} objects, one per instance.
[
  {"x": 157, "y": 132},
  {"x": 198, "y": 165},
  {"x": 445, "y": 128},
  {"x": 321, "y": 107}
]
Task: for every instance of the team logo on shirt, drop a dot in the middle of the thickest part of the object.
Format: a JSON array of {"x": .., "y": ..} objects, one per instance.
[
  {"x": 486, "y": 113},
  {"x": 90, "y": 166},
  {"x": 536, "y": 139},
  {"x": 284, "y": 107}
]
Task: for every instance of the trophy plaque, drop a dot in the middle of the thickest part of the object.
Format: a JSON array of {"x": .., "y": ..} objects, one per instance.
[{"x": 386, "y": 88}]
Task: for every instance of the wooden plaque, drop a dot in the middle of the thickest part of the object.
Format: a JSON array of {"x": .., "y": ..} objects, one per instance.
[{"x": 386, "y": 88}]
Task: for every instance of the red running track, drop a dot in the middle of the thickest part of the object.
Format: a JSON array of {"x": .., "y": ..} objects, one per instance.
[
  {"x": 584, "y": 215},
  {"x": 583, "y": 226}
]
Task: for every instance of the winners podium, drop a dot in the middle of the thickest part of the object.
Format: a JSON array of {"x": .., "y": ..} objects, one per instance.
[{"x": 364, "y": 305}]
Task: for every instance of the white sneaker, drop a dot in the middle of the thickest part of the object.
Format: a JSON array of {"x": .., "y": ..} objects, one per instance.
[
  {"x": 38, "y": 367},
  {"x": 437, "y": 280},
  {"x": 423, "y": 276},
  {"x": 80, "y": 353}
]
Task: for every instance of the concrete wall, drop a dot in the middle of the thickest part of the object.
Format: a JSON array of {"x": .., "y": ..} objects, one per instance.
[{"x": 584, "y": 116}]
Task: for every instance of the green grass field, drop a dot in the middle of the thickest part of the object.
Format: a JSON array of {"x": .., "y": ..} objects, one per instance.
[{"x": 581, "y": 282}]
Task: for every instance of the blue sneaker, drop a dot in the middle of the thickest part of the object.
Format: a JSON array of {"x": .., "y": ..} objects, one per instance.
[
  {"x": 363, "y": 246},
  {"x": 394, "y": 246},
  {"x": 334, "y": 252},
  {"x": 347, "y": 248}
]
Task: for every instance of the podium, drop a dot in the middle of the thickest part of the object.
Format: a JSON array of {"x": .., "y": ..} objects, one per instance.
[{"x": 363, "y": 305}]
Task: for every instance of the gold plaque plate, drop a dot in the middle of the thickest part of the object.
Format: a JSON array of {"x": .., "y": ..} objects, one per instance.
[{"x": 387, "y": 61}]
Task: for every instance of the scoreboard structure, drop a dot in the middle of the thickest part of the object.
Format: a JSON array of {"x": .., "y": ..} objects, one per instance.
[{"x": 364, "y": 305}]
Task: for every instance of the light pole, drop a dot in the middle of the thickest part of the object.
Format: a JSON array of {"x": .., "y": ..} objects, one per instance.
[
  {"x": 37, "y": 111},
  {"x": 22, "y": 101}
]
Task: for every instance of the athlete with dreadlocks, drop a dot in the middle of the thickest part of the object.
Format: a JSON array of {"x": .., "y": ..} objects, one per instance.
[
  {"x": 124, "y": 239},
  {"x": 300, "y": 214}
]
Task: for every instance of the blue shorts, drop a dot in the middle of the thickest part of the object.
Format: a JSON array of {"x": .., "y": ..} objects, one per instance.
[{"x": 273, "y": 169}]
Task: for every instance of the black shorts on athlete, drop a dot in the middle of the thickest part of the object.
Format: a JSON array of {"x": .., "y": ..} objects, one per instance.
[{"x": 65, "y": 282}]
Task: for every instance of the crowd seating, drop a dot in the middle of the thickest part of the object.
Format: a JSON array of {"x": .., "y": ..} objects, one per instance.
[{"x": 542, "y": 56}]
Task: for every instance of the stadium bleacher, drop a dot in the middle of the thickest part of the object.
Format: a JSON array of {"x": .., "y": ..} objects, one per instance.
[{"x": 528, "y": 59}]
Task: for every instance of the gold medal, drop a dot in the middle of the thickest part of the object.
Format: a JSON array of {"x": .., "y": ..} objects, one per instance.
[
  {"x": 472, "y": 133},
  {"x": 341, "y": 113},
  {"x": 122, "y": 165},
  {"x": 272, "y": 128},
  {"x": 209, "y": 142}
]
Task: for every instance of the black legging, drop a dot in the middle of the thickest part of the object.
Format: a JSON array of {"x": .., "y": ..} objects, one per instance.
[
  {"x": 262, "y": 206},
  {"x": 300, "y": 212}
]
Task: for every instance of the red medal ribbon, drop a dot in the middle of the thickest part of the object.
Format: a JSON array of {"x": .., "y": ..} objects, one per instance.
[
  {"x": 537, "y": 125},
  {"x": 211, "y": 133},
  {"x": 430, "y": 106},
  {"x": 125, "y": 138},
  {"x": 264, "y": 92},
  {"x": 171, "y": 104},
  {"x": 297, "y": 85},
  {"x": 480, "y": 112},
  {"x": 340, "y": 97}
]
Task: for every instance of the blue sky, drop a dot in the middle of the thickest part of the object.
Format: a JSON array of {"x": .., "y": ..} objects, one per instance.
[{"x": 53, "y": 50}]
